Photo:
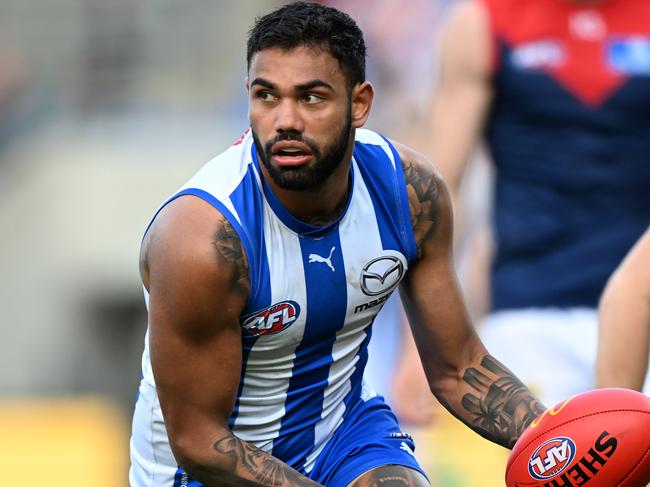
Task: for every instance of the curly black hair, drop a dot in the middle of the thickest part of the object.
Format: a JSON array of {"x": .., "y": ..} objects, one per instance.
[{"x": 313, "y": 25}]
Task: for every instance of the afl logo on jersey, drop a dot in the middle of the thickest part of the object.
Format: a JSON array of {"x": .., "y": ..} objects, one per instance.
[
  {"x": 273, "y": 319},
  {"x": 551, "y": 458},
  {"x": 381, "y": 275}
]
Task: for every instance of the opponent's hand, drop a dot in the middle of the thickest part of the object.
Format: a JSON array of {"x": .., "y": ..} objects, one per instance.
[{"x": 412, "y": 400}]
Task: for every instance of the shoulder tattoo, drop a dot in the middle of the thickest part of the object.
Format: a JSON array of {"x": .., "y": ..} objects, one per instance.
[
  {"x": 229, "y": 249},
  {"x": 422, "y": 187}
]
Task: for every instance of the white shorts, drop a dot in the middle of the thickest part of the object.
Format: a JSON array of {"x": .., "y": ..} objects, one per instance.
[{"x": 553, "y": 351}]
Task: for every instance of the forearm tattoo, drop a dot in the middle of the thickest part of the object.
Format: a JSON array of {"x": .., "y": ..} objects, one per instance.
[
  {"x": 229, "y": 249},
  {"x": 422, "y": 188},
  {"x": 502, "y": 406},
  {"x": 251, "y": 462}
]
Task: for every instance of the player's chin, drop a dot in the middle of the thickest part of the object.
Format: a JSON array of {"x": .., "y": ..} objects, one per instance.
[{"x": 292, "y": 179}]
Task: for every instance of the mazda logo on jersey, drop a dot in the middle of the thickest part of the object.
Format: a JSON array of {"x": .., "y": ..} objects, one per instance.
[
  {"x": 271, "y": 320},
  {"x": 381, "y": 275}
]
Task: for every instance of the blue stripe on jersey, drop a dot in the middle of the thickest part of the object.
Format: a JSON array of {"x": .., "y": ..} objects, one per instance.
[
  {"x": 299, "y": 226},
  {"x": 383, "y": 181},
  {"x": 181, "y": 479},
  {"x": 247, "y": 200},
  {"x": 248, "y": 203},
  {"x": 325, "y": 315}
]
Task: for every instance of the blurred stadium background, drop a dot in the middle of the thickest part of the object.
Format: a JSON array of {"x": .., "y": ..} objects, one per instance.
[{"x": 106, "y": 107}]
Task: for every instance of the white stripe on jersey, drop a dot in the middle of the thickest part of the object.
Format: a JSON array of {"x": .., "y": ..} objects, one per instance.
[
  {"x": 260, "y": 418},
  {"x": 228, "y": 204},
  {"x": 152, "y": 460},
  {"x": 369, "y": 137}
]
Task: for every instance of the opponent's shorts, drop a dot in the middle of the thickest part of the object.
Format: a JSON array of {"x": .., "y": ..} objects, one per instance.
[
  {"x": 552, "y": 351},
  {"x": 368, "y": 437}
]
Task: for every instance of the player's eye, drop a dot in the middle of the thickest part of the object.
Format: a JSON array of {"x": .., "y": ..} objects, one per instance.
[
  {"x": 311, "y": 98},
  {"x": 265, "y": 96}
]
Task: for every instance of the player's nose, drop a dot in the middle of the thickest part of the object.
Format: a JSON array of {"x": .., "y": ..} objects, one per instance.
[{"x": 288, "y": 117}]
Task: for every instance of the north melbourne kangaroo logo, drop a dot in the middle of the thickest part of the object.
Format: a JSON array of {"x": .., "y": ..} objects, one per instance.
[{"x": 318, "y": 258}]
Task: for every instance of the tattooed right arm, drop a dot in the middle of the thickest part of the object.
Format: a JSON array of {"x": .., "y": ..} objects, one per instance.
[
  {"x": 196, "y": 271},
  {"x": 466, "y": 379}
]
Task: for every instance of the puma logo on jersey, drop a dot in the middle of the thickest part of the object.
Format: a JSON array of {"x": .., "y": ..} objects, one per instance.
[
  {"x": 317, "y": 258},
  {"x": 406, "y": 448}
]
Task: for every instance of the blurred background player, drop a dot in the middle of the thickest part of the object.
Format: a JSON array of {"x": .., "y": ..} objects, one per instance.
[
  {"x": 560, "y": 92},
  {"x": 624, "y": 317}
]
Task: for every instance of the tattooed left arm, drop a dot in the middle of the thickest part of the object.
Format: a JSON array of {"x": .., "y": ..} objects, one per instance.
[
  {"x": 474, "y": 386},
  {"x": 497, "y": 406}
]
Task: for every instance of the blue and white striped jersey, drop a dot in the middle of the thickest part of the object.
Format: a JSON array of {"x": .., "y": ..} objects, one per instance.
[{"x": 315, "y": 292}]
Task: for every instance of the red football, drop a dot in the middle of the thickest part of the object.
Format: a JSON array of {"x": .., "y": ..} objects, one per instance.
[{"x": 599, "y": 438}]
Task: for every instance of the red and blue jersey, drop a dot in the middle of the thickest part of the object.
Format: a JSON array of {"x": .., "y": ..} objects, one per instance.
[{"x": 569, "y": 133}]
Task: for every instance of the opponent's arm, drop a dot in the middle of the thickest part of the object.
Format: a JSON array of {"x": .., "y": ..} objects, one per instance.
[
  {"x": 196, "y": 272},
  {"x": 624, "y": 315},
  {"x": 466, "y": 379},
  {"x": 462, "y": 93}
]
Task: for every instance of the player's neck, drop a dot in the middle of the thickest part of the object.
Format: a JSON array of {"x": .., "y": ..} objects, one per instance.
[
  {"x": 324, "y": 216},
  {"x": 320, "y": 205}
]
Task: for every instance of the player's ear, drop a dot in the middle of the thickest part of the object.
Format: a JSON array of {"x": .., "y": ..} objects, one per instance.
[
  {"x": 361, "y": 99},
  {"x": 248, "y": 85}
]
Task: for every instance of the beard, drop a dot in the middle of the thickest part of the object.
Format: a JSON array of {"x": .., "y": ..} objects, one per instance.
[{"x": 323, "y": 165}]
